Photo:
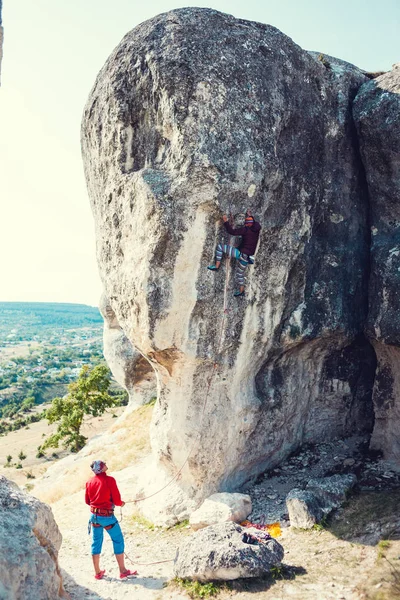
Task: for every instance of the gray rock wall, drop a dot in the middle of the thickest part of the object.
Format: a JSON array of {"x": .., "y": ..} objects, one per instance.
[
  {"x": 376, "y": 113},
  {"x": 196, "y": 114}
]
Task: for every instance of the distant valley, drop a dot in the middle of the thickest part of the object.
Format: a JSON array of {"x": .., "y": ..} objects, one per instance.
[{"x": 43, "y": 347}]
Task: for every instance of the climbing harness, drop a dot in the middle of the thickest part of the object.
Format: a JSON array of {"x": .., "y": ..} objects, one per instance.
[
  {"x": 102, "y": 512},
  {"x": 96, "y": 525}
]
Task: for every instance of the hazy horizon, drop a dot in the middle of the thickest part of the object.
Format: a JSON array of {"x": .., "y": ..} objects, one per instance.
[{"x": 52, "y": 53}]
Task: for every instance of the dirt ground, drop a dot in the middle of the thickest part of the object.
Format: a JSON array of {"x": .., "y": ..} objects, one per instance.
[
  {"x": 356, "y": 556},
  {"x": 327, "y": 564},
  {"x": 10, "y": 352}
]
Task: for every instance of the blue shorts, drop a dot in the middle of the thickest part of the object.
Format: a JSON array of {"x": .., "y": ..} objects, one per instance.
[{"x": 115, "y": 534}]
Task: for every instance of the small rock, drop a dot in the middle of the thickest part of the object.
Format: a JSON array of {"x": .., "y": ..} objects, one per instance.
[
  {"x": 219, "y": 508},
  {"x": 304, "y": 508}
]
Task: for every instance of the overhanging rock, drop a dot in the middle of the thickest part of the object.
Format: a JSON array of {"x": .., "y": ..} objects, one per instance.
[{"x": 195, "y": 114}]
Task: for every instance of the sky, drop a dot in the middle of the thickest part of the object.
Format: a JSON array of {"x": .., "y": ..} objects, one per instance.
[{"x": 53, "y": 50}]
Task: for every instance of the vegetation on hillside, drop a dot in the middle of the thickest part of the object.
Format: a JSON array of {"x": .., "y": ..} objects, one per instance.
[
  {"x": 89, "y": 395},
  {"x": 43, "y": 347}
]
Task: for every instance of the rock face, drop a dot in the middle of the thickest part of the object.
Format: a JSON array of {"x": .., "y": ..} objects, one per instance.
[
  {"x": 128, "y": 366},
  {"x": 29, "y": 545},
  {"x": 376, "y": 113},
  {"x": 218, "y": 553},
  {"x": 219, "y": 508},
  {"x": 307, "y": 507},
  {"x": 196, "y": 114}
]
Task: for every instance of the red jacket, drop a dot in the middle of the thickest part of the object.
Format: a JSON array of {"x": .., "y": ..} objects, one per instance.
[
  {"x": 102, "y": 492},
  {"x": 249, "y": 235}
]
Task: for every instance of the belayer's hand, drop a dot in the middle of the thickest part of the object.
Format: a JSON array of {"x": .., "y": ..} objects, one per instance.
[
  {"x": 122, "y": 504},
  {"x": 224, "y": 218}
]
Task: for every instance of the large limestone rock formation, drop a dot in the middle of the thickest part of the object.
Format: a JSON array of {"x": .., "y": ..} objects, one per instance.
[
  {"x": 29, "y": 545},
  {"x": 195, "y": 114},
  {"x": 376, "y": 112},
  {"x": 129, "y": 367}
]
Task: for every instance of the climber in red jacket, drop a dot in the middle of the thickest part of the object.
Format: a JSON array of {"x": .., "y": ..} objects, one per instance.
[
  {"x": 102, "y": 494},
  {"x": 250, "y": 234}
]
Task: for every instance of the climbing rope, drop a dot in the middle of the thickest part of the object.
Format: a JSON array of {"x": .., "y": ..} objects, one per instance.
[
  {"x": 157, "y": 562},
  {"x": 215, "y": 365}
]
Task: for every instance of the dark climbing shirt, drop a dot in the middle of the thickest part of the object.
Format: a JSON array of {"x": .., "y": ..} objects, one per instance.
[
  {"x": 249, "y": 235},
  {"x": 102, "y": 492}
]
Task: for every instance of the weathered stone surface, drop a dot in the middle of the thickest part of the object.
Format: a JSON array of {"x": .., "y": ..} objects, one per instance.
[
  {"x": 321, "y": 496},
  {"x": 194, "y": 114},
  {"x": 333, "y": 490},
  {"x": 376, "y": 113},
  {"x": 304, "y": 508},
  {"x": 219, "y": 508},
  {"x": 29, "y": 545},
  {"x": 128, "y": 366},
  {"x": 218, "y": 553}
]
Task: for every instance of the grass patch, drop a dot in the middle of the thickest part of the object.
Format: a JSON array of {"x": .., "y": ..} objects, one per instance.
[
  {"x": 152, "y": 401},
  {"x": 379, "y": 507},
  {"x": 383, "y": 545},
  {"x": 196, "y": 589},
  {"x": 181, "y": 525},
  {"x": 139, "y": 521}
]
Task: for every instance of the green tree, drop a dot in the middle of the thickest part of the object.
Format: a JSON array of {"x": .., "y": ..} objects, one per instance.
[
  {"x": 88, "y": 395},
  {"x": 28, "y": 403}
]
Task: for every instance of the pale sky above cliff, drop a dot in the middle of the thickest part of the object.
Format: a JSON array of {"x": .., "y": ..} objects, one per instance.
[{"x": 53, "y": 50}]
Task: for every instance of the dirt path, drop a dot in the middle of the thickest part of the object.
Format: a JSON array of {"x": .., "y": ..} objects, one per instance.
[
  {"x": 142, "y": 546},
  {"x": 318, "y": 565}
]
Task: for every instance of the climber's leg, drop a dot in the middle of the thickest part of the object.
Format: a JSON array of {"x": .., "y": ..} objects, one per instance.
[
  {"x": 220, "y": 251},
  {"x": 240, "y": 271}
]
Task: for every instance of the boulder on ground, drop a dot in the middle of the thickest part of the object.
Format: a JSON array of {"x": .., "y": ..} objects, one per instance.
[
  {"x": 304, "y": 508},
  {"x": 332, "y": 491},
  {"x": 29, "y": 545},
  {"x": 220, "y": 508},
  {"x": 218, "y": 553},
  {"x": 321, "y": 496}
]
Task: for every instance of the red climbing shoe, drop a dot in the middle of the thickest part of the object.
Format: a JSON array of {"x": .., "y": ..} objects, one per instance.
[
  {"x": 128, "y": 574},
  {"x": 100, "y": 575}
]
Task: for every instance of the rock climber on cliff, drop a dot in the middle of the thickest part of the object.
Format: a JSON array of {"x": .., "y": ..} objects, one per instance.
[
  {"x": 102, "y": 495},
  {"x": 249, "y": 233}
]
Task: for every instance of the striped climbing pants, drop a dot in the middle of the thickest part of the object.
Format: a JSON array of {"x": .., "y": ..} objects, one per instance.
[{"x": 233, "y": 253}]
